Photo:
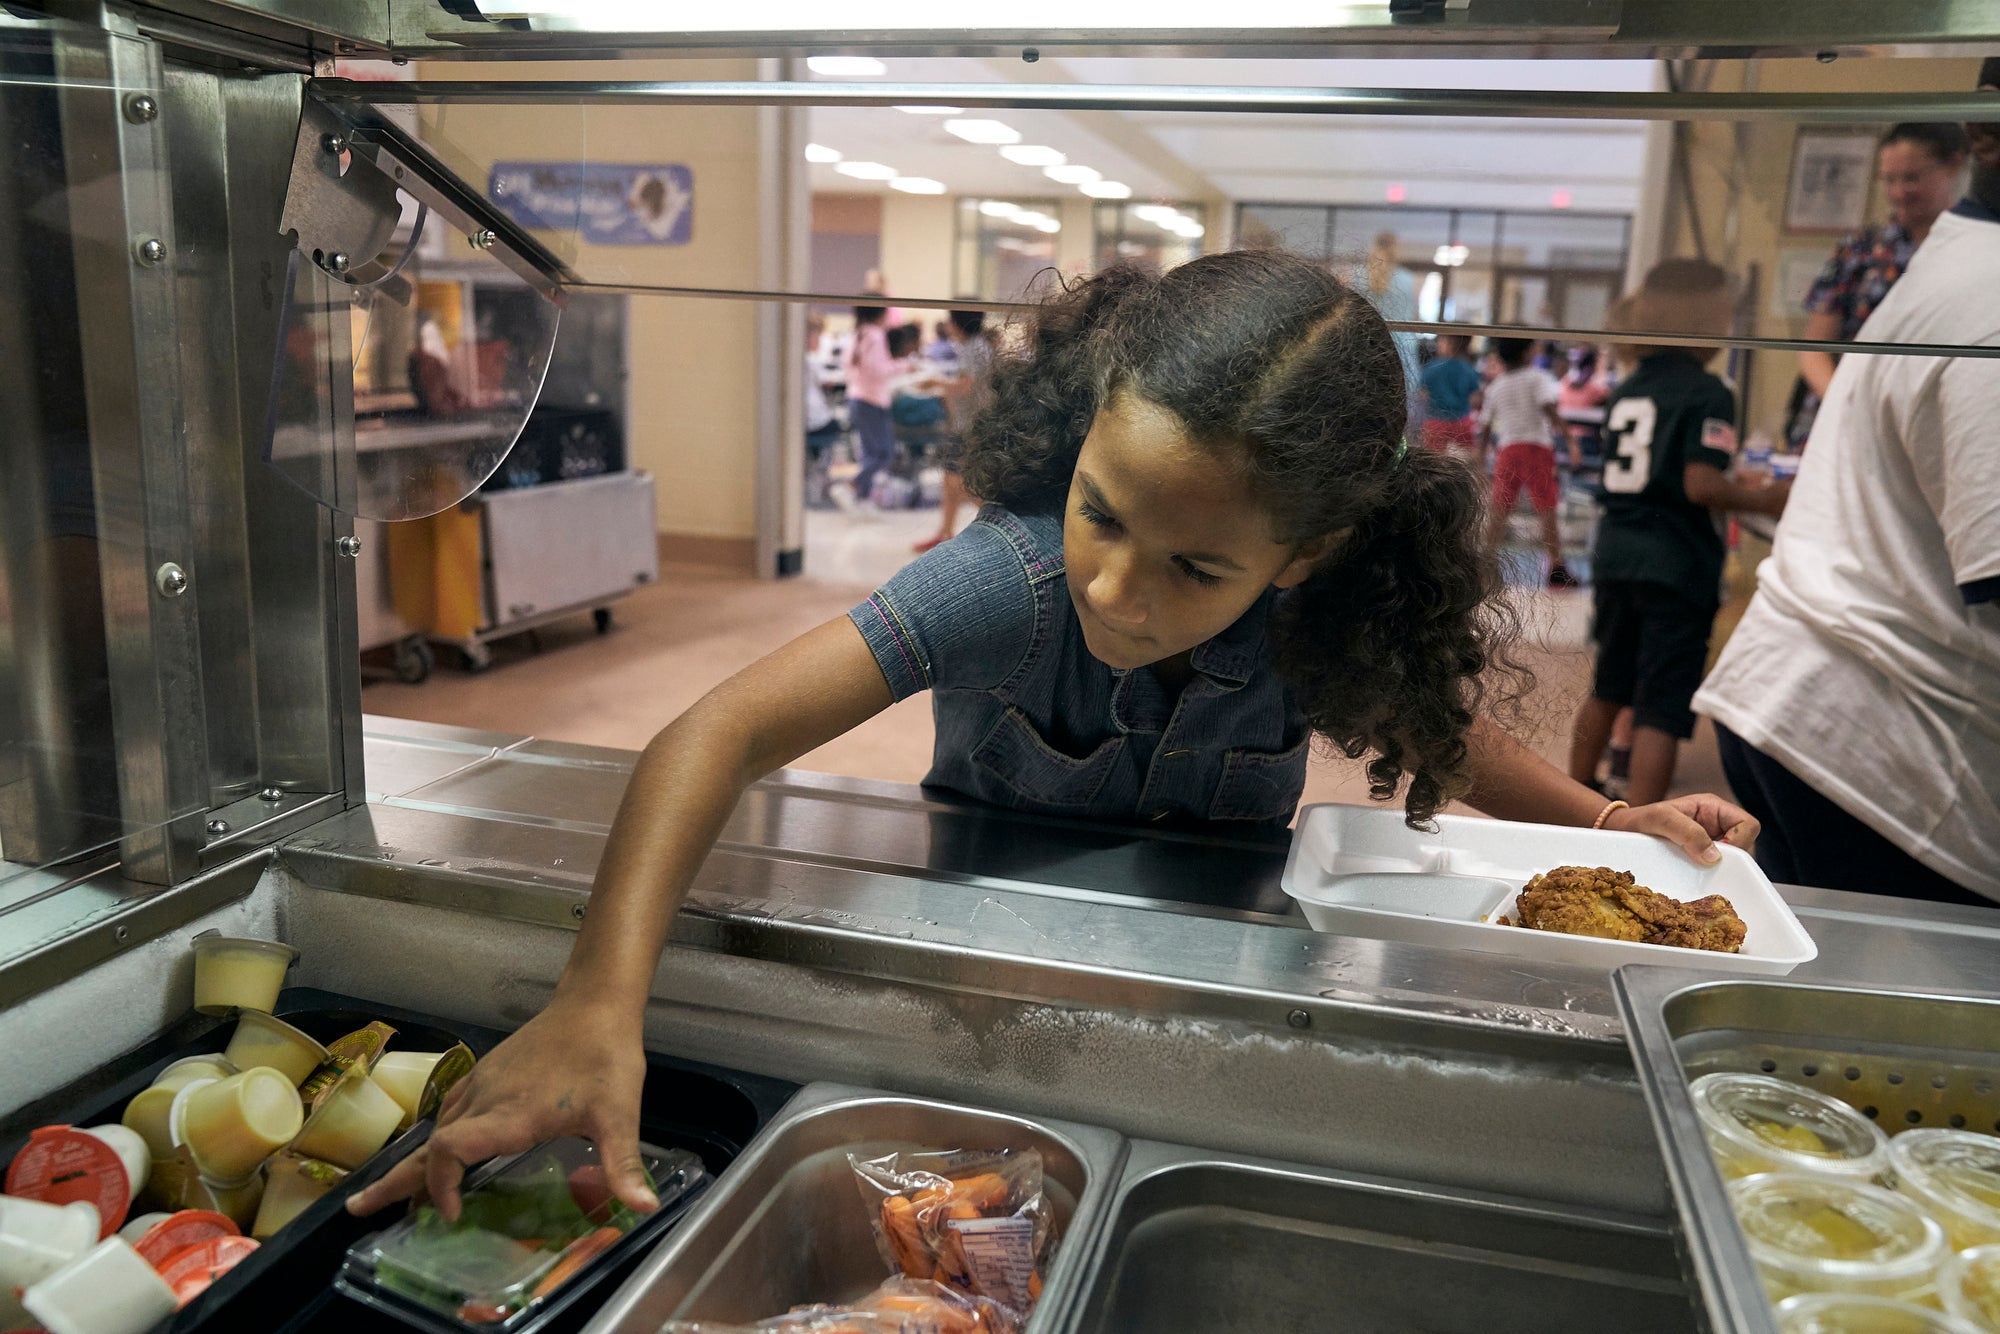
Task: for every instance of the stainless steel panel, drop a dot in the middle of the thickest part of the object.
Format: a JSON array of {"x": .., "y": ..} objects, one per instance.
[
  {"x": 1540, "y": 104},
  {"x": 122, "y": 222},
  {"x": 788, "y": 1226},
  {"x": 1905, "y": 1058},
  {"x": 1224, "y": 1244},
  {"x": 568, "y": 544},
  {"x": 1521, "y": 29}
]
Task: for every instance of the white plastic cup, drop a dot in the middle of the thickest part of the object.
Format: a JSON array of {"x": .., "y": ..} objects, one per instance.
[
  {"x": 136, "y": 1229},
  {"x": 230, "y": 1126},
  {"x": 108, "y": 1290},
  {"x": 237, "y": 973},
  {"x": 354, "y": 1118},
  {"x": 261, "y": 1040},
  {"x": 37, "y": 1239},
  {"x": 132, "y": 1151},
  {"x": 403, "y": 1074}
]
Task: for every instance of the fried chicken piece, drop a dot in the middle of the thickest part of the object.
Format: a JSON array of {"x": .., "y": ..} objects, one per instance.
[{"x": 1598, "y": 901}]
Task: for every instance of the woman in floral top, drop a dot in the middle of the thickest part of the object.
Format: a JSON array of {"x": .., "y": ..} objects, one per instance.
[{"x": 1919, "y": 166}]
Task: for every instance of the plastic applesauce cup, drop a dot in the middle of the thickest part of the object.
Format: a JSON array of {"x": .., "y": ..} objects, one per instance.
[
  {"x": 1841, "y": 1313},
  {"x": 238, "y": 973},
  {"x": 261, "y": 1040},
  {"x": 403, "y": 1074},
  {"x": 1954, "y": 1176},
  {"x": 190, "y": 1068},
  {"x": 230, "y": 1126},
  {"x": 354, "y": 1118},
  {"x": 1969, "y": 1287},
  {"x": 110, "y": 1290},
  {"x": 37, "y": 1239},
  {"x": 291, "y": 1185},
  {"x": 148, "y": 1114},
  {"x": 238, "y": 1203},
  {"x": 1754, "y": 1123},
  {"x": 1823, "y": 1234}
]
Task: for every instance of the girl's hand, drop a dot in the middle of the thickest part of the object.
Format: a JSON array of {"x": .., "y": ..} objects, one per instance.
[
  {"x": 574, "y": 1069},
  {"x": 1694, "y": 822}
]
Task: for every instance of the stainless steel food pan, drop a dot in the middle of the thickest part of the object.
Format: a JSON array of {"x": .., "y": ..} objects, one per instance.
[
  {"x": 1215, "y": 1243},
  {"x": 1903, "y": 1058},
  {"x": 787, "y": 1224}
]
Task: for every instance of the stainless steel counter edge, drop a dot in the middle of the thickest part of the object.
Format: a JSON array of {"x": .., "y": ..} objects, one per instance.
[{"x": 1730, "y": 1287}]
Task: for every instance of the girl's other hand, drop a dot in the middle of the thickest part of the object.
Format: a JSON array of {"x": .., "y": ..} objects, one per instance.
[
  {"x": 574, "y": 1069},
  {"x": 1694, "y": 822}
]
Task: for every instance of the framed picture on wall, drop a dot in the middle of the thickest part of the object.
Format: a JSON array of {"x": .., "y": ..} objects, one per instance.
[{"x": 1831, "y": 174}]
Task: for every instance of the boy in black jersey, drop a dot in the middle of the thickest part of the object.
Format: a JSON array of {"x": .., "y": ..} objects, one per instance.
[{"x": 1670, "y": 436}]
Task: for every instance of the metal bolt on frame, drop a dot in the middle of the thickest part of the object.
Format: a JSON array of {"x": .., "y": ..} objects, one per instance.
[{"x": 141, "y": 109}]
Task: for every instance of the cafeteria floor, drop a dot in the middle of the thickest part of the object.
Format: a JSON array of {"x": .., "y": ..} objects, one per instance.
[{"x": 672, "y": 641}]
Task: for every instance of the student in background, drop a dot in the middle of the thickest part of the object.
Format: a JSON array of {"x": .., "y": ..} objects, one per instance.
[
  {"x": 1519, "y": 418},
  {"x": 1670, "y": 437},
  {"x": 871, "y": 378},
  {"x": 1450, "y": 387},
  {"x": 973, "y": 357}
]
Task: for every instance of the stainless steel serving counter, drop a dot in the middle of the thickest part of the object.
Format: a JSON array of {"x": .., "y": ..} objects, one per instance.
[{"x": 1154, "y": 983}]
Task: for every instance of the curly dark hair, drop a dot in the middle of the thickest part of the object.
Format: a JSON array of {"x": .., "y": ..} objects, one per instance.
[{"x": 1400, "y": 638}]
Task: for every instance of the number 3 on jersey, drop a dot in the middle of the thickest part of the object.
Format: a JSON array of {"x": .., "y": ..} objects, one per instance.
[{"x": 1629, "y": 464}]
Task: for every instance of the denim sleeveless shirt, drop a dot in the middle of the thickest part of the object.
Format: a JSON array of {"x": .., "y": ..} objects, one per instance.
[{"x": 1028, "y": 719}]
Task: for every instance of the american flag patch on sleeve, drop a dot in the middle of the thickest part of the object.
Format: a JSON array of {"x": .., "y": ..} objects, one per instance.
[{"x": 1718, "y": 434}]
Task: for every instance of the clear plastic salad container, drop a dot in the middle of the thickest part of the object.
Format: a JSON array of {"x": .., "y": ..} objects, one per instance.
[
  {"x": 1970, "y": 1287},
  {"x": 533, "y": 1229},
  {"x": 1758, "y": 1124},
  {"x": 1822, "y": 1234},
  {"x": 1954, "y": 1176}
]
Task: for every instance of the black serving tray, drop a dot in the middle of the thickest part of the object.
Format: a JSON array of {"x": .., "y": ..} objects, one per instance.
[{"x": 286, "y": 1285}]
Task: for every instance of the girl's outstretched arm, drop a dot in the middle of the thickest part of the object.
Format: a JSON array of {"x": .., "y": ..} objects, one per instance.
[
  {"x": 1512, "y": 782},
  {"x": 577, "y": 1067}
]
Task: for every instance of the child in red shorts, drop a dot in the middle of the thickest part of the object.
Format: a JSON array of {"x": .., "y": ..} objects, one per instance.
[{"x": 1519, "y": 415}]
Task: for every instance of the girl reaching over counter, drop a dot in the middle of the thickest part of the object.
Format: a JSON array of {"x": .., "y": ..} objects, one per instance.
[{"x": 1207, "y": 545}]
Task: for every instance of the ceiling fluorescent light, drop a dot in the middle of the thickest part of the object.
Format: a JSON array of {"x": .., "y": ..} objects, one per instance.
[
  {"x": 868, "y": 171},
  {"x": 860, "y": 66},
  {"x": 917, "y": 185},
  {"x": 1106, "y": 189},
  {"x": 1046, "y": 224},
  {"x": 930, "y": 111},
  {"x": 1033, "y": 155},
  {"x": 999, "y": 208},
  {"x": 1187, "y": 227},
  {"x": 1073, "y": 174},
  {"x": 983, "y": 131},
  {"x": 1163, "y": 214},
  {"x": 821, "y": 153}
]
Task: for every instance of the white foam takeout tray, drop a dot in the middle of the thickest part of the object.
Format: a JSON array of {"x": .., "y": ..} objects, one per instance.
[{"x": 1360, "y": 871}]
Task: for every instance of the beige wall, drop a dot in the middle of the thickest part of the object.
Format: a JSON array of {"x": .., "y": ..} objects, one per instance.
[
  {"x": 917, "y": 244},
  {"x": 1750, "y": 164},
  {"x": 693, "y": 363}
]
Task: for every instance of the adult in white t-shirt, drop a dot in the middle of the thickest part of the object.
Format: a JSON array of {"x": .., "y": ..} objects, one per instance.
[{"x": 1858, "y": 702}]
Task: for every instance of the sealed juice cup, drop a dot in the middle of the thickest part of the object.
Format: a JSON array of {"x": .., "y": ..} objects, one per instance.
[
  {"x": 1969, "y": 1286},
  {"x": 1758, "y": 1124},
  {"x": 1954, "y": 1176},
  {"x": 238, "y": 1203},
  {"x": 353, "y": 1119},
  {"x": 291, "y": 1184},
  {"x": 230, "y": 1126},
  {"x": 190, "y": 1068},
  {"x": 37, "y": 1239},
  {"x": 236, "y": 973},
  {"x": 261, "y": 1040},
  {"x": 109, "y": 1290},
  {"x": 63, "y": 1164},
  {"x": 403, "y": 1074},
  {"x": 1839, "y": 1313},
  {"x": 148, "y": 1113},
  {"x": 1812, "y": 1233}
]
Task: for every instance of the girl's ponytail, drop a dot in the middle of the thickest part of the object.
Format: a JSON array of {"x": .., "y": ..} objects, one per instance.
[
  {"x": 1022, "y": 447},
  {"x": 1395, "y": 642}
]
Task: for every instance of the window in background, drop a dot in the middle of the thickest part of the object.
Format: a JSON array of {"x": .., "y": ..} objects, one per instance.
[
  {"x": 1154, "y": 235},
  {"x": 1467, "y": 266},
  {"x": 1003, "y": 247}
]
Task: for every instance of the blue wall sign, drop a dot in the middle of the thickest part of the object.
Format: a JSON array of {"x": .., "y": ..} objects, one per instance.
[{"x": 607, "y": 203}]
